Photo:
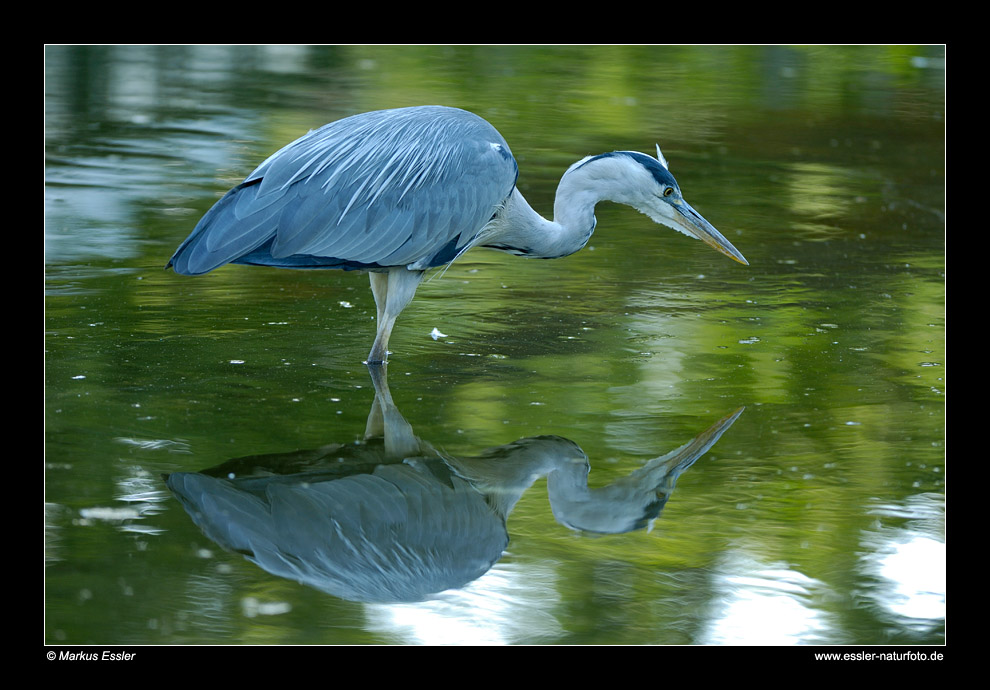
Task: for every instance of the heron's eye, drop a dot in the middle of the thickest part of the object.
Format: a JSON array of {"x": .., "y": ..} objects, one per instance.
[{"x": 668, "y": 191}]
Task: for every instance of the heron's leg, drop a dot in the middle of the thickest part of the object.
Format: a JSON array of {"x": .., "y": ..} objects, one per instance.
[
  {"x": 379, "y": 288},
  {"x": 399, "y": 290}
]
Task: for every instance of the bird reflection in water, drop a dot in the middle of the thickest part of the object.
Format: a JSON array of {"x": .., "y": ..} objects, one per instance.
[{"x": 391, "y": 519}]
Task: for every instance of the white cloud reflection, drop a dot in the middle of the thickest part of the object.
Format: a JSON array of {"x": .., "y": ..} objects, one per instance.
[
  {"x": 906, "y": 561},
  {"x": 760, "y": 604},
  {"x": 508, "y": 605}
]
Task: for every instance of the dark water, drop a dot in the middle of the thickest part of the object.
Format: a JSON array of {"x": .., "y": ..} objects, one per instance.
[{"x": 815, "y": 516}]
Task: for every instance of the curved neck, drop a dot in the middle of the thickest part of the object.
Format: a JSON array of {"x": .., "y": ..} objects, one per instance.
[{"x": 521, "y": 230}]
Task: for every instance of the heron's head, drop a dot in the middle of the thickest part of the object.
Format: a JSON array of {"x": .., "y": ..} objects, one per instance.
[{"x": 646, "y": 184}]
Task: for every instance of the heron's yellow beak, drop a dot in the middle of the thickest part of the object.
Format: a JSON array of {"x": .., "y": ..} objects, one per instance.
[{"x": 695, "y": 225}]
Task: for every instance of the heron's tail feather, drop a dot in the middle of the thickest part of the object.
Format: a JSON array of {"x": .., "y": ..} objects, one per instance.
[{"x": 235, "y": 226}]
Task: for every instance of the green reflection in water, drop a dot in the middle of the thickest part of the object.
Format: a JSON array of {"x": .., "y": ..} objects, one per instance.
[{"x": 824, "y": 165}]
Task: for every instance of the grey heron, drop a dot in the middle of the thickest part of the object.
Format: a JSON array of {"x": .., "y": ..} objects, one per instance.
[{"x": 398, "y": 192}]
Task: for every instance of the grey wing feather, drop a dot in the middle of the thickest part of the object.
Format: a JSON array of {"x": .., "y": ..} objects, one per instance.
[{"x": 407, "y": 187}]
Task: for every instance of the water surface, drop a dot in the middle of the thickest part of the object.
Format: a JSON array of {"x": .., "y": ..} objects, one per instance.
[{"x": 817, "y": 517}]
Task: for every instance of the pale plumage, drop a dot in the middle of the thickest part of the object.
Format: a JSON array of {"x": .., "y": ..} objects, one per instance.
[{"x": 397, "y": 192}]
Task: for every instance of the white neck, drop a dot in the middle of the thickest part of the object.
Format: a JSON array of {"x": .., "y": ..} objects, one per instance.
[{"x": 521, "y": 230}]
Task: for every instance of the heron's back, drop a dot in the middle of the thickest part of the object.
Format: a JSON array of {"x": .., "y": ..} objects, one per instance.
[{"x": 407, "y": 187}]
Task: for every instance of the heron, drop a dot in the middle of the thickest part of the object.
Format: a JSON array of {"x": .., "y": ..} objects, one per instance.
[{"x": 398, "y": 192}]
